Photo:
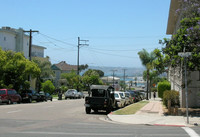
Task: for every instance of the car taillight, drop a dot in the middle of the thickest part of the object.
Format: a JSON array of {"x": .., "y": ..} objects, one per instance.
[{"x": 105, "y": 102}]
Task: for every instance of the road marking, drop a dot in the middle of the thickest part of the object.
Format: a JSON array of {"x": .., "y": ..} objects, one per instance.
[
  {"x": 77, "y": 134},
  {"x": 14, "y": 111},
  {"x": 190, "y": 132}
]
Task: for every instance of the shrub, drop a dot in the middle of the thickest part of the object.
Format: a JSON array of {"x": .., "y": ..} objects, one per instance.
[
  {"x": 153, "y": 89},
  {"x": 48, "y": 86},
  {"x": 163, "y": 86},
  {"x": 171, "y": 95}
]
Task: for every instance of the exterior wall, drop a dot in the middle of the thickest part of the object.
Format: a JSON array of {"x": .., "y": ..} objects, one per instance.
[
  {"x": 7, "y": 40},
  {"x": 37, "y": 51}
]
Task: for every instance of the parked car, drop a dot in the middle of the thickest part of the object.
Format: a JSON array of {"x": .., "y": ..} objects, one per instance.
[
  {"x": 48, "y": 97},
  {"x": 120, "y": 100},
  {"x": 30, "y": 95},
  {"x": 129, "y": 98},
  {"x": 100, "y": 97},
  {"x": 9, "y": 96},
  {"x": 71, "y": 93},
  {"x": 81, "y": 95},
  {"x": 42, "y": 96},
  {"x": 134, "y": 96}
]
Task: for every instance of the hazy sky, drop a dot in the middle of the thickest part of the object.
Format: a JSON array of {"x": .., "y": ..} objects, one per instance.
[{"x": 116, "y": 29}]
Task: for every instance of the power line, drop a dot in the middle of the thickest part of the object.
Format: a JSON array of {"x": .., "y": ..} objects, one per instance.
[
  {"x": 59, "y": 40},
  {"x": 112, "y": 54}
]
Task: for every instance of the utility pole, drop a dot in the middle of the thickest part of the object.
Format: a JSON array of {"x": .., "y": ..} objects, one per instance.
[
  {"x": 124, "y": 79},
  {"x": 79, "y": 46},
  {"x": 30, "y": 41},
  {"x": 113, "y": 77}
]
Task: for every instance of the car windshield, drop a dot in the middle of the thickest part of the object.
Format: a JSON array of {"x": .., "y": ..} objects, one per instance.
[
  {"x": 121, "y": 94},
  {"x": 116, "y": 95},
  {"x": 2, "y": 92}
]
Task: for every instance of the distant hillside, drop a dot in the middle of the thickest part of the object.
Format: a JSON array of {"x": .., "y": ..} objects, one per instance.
[{"x": 130, "y": 72}]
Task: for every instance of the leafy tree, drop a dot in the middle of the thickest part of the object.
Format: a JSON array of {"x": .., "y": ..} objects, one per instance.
[
  {"x": 83, "y": 67},
  {"x": 91, "y": 77},
  {"x": 187, "y": 37},
  {"x": 15, "y": 69},
  {"x": 46, "y": 72},
  {"x": 48, "y": 86},
  {"x": 147, "y": 61},
  {"x": 73, "y": 80}
]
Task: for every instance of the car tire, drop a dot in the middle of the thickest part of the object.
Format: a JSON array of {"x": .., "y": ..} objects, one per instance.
[
  {"x": 88, "y": 110},
  {"x": 30, "y": 100},
  {"x": 51, "y": 99},
  {"x": 108, "y": 110},
  {"x": 9, "y": 102}
]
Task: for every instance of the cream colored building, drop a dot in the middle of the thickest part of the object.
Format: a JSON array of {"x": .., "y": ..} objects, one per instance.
[{"x": 176, "y": 75}]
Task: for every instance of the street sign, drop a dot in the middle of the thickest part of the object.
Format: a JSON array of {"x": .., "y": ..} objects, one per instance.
[{"x": 185, "y": 54}]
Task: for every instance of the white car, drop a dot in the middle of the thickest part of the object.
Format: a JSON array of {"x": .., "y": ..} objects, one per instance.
[{"x": 120, "y": 99}]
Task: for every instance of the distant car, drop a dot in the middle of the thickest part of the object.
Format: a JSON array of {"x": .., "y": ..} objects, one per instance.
[
  {"x": 120, "y": 100},
  {"x": 30, "y": 95},
  {"x": 129, "y": 98},
  {"x": 134, "y": 96},
  {"x": 81, "y": 95},
  {"x": 48, "y": 96},
  {"x": 42, "y": 96},
  {"x": 9, "y": 96},
  {"x": 71, "y": 93}
]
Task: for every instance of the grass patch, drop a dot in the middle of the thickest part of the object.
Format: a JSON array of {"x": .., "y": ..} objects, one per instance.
[{"x": 131, "y": 109}]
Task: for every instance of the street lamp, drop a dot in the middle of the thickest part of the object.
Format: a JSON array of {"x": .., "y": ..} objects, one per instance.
[{"x": 185, "y": 55}]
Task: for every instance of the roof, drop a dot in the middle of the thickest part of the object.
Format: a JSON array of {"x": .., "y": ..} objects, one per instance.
[
  {"x": 64, "y": 66},
  {"x": 37, "y": 46},
  {"x": 173, "y": 17},
  {"x": 100, "y": 87}
]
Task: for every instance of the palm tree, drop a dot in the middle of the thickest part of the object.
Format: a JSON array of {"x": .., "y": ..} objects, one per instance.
[{"x": 147, "y": 61}]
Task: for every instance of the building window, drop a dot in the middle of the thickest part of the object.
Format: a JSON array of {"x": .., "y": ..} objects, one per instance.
[{"x": 4, "y": 38}]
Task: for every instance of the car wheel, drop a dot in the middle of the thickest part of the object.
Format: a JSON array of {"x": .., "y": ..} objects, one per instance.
[
  {"x": 108, "y": 110},
  {"x": 88, "y": 110},
  {"x": 51, "y": 99},
  {"x": 30, "y": 100},
  {"x": 9, "y": 102}
]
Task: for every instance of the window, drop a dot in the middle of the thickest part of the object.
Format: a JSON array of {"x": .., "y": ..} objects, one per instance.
[
  {"x": 10, "y": 92},
  {"x": 98, "y": 93},
  {"x": 4, "y": 38},
  {"x": 2, "y": 92}
]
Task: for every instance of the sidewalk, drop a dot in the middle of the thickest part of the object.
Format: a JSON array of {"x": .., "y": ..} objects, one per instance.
[{"x": 152, "y": 114}]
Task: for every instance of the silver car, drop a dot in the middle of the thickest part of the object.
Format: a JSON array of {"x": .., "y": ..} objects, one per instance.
[
  {"x": 71, "y": 93},
  {"x": 120, "y": 100}
]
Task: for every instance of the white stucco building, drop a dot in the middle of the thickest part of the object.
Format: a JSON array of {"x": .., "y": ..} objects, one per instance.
[{"x": 16, "y": 40}]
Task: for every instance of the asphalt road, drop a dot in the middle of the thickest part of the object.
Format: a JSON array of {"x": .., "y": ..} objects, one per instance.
[{"x": 67, "y": 118}]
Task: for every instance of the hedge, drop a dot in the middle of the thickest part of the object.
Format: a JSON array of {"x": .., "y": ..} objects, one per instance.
[{"x": 163, "y": 86}]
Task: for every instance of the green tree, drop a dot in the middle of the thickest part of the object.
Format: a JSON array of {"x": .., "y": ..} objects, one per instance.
[
  {"x": 15, "y": 69},
  {"x": 147, "y": 61},
  {"x": 187, "y": 37},
  {"x": 91, "y": 77},
  {"x": 46, "y": 72},
  {"x": 48, "y": 86},
  {"x": 73, "y": 80}
]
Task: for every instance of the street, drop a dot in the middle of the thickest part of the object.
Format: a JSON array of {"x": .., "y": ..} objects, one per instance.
[{"x": 68, "y": 118}]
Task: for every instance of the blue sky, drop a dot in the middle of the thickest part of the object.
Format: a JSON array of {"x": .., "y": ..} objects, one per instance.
[{"x": 116, "y": 29}]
